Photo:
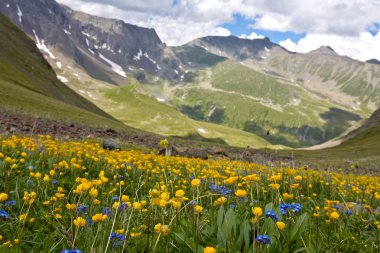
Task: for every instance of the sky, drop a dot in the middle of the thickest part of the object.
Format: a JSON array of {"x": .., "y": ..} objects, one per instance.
[{"x": 350, "y": 27}]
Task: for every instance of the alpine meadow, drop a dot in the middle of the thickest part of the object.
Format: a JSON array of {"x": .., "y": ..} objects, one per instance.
[{"x": 215, "y": 126}]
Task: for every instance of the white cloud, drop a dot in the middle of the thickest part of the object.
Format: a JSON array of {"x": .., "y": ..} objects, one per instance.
[
  {"x": 325, "y": 21},
  {"x": 252, "y": 36},
  {"x": 364, "y": 47}
]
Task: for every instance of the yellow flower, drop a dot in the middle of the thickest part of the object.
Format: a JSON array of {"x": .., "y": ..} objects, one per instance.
[
  {"x": 257, "y": 211},
  {"x": 378, "y": 227},
  {"x": 274, "y": 186},
  {"x": 99, "y": 217},
  {"x": 195, "y": 182},
  {"x": 135, "y": 234},
  {"x": 124, "y": 198},
  {"x": 157, "y": 227},
  {"x": 116, "y": 204},
  {"x": 164, "y": 143},
  {"x": 176, "y": 204},
  {"x": 165, "y": 196},
  {"x": 163, "y": 203},
  {"x": 31, "y": 220},
  {"x": 1, "y": 237},
  {"x": 79, "y": 222},
  {"x": 96, "y": 201},
  {"x": 164, "y": 229},
  {"x": 220, "y": 201},
  {"x": 120, "y": 231},
  {"x": 3, "y": 197},
  {"x": 58, "y": 216},
  {"x": 23, "y": 216},
  {"x": 298, "y": 178},
  {"x": 137, "y": 206},
  {"x": 198, "y": 209},
  {"x": 288, "y": 196},
  {"x": 231, "y": 180},
  {"x": 241, "y": 193},
  {"x": 334, "y": 215},
  {"x": 93, "y": 193},
  {"x": 179, "y": 193},
  {"x": 71, "y": 206},
  {"x": 209, "y": 250},
  {"x": 280, "y": 225}
]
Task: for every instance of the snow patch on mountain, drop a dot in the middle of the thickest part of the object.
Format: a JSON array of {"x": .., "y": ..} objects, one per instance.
[
  {"x": 41, "y": 45},
  {"x": 137, "y": 57},
  {"x": 115, "y": 67},
  {"x": 62, "y": 79},
  {"x": 19, "y": 14}
]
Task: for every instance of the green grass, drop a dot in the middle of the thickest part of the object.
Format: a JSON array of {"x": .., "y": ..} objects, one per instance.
[
  {"x": 144, "y": 112},
  {"x": 232, "y": 76},
  {"x": 245, "y": 99}
]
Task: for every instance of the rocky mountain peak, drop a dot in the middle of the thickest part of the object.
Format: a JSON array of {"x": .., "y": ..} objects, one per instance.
[
  {"x": 373, "y": 61},
  {"x": 324, "y": 50}
]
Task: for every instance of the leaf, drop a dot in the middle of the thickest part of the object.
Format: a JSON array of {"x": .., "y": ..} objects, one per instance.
[
  {"x": 181, "y": 239},
  {"x": 222, "y": 237},
  {"x": 269, "y": 206},
  {"x": 246, "y": 229},
  {"x": 230, "y": 220},
  {"x": 269, "y": 227},
  {"x": 298, "y": 228},
  {"x": 219, "y": 220}
]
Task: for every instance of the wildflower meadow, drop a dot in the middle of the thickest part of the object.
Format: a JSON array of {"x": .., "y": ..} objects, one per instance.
[{"x": 74, "y": 196}]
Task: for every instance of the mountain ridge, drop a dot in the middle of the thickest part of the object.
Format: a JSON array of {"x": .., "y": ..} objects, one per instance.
[{"x": 109, "y": 50}]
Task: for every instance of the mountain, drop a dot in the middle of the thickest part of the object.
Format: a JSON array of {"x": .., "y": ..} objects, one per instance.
[
  {"x": 341, "y": 80},
  {"x": 29, "y": 85},
  {"x": 373, "y": 61},
  {"x": 253, "y": 86},
  {"x": 106, "y": 49}
]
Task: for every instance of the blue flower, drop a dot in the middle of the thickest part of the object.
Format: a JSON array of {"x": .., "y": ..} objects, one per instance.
[
  {"x": 82, "y": 209},
  {"x": 55, "y": 181},
  {"x": 90, "y": 221},
  {"x": 220, "y": 189},
  {"x": 263, "y": 239},
  {"x": 4, "y": 214},
  {"x": 10, "y": 203},
  {"x": 272, "y": 214},
  {"x": 118, "y": 239},
  {"x": 348, "y": 212},
  {"x": 115, "y": 198},
  {"x": 123, "y": 207},
  {"x": 107, "y": 211},
  {"x": 71, "y": 251},
  {"x": 287, "y": 208}
]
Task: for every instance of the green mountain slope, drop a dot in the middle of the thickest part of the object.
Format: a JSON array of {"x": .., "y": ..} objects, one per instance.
[
  {"x": 132, "y": 105},
  {"x": 237, "y": 96},
  {"x": 28, "y": 83}
]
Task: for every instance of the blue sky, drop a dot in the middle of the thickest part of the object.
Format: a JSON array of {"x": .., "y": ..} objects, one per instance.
[{"x": 241, "y": 25}]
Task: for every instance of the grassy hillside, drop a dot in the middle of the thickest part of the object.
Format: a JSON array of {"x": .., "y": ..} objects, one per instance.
[
  {"x": 237, "y": 96},
  {"x": 29, "y": 85},
  {"x": 145, "y": 112}
]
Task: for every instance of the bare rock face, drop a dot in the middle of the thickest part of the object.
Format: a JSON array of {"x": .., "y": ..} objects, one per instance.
[{"x": 107, "y": 49}]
